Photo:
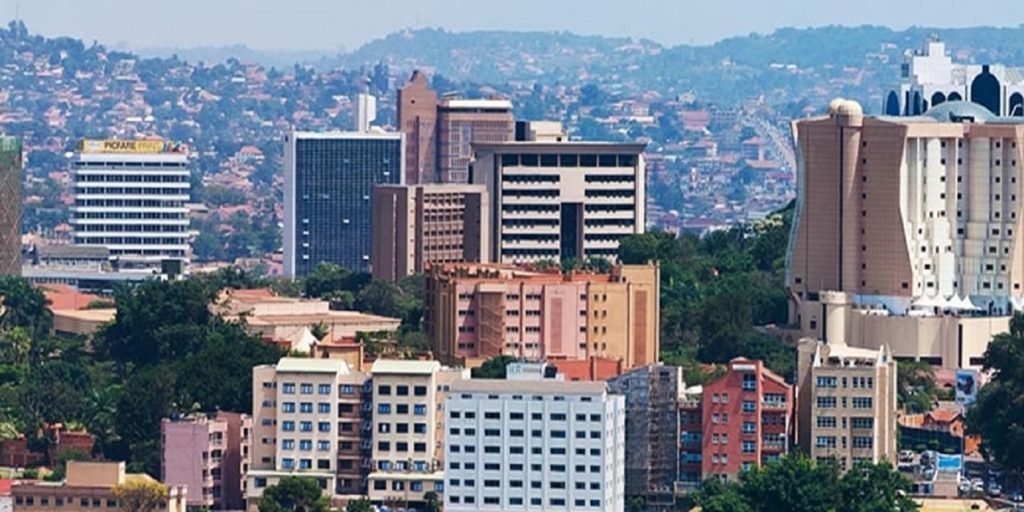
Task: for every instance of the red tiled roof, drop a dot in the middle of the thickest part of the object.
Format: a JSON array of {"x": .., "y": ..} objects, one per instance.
[{"x": 595, "y": 368}]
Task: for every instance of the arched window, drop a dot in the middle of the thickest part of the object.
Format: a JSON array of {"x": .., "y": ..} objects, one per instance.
[
  {"x": 1016, "y": 106},
  {"x": 938, "y": 99},
  {"x": 892, "y": 104},
  {"x": 985, "y": 90},
  {"x": 954, "y": 96}
]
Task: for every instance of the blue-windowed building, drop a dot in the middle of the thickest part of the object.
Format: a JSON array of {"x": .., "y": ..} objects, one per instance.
[{"x": 328, "y": 185}]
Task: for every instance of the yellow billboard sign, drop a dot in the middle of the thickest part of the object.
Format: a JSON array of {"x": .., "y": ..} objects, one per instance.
[{"x": 129, "y": 146}]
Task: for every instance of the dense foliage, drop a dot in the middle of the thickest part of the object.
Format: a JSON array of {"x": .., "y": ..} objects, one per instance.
[
  {"x": 294, "y": 494},
  {"x": 998, "y": 414},
  {"x": 797, "y": 484},
  {"x": 716, "y": 289},
  {"x": 132, "y": 376}
]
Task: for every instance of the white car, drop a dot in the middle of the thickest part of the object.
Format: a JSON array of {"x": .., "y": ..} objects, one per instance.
[{"x": 965, "y": 486}]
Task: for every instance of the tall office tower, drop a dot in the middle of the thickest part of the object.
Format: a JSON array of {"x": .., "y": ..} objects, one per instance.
[
  {"x": 899, "y": 219},
  {"x": 417, "y": 120},
  {"x": 366, "y": 111},
  {"x": 846, "y": 409},
  {"x": 328, "y": 182},
  {"x": 309, "y": 420},
  {"x": 10, "y": 206},
  {"x": 461, "y": 124},
  {"x": 653, "y": 395},
  {"x": 742, "y": 420},
  {"x": 475, "y": 312},
  {"x": 130, "y": 197},
  {"x": 534, "y": 444},
  {"x": 209, "y": 455},
  {"x": 408, "y": 430},
  {"x": 930, "y": 78},
  {"x": 418, "y": 225},
  {"x": 561, "y": 200}
]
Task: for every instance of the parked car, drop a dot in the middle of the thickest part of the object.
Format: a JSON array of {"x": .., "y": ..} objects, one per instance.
[
  {"x": 1016, "y": 497},
  {"x": 907, "y": 456},
  {"x": 977, "y": 485},
  {"x": 965, "y": 486}
]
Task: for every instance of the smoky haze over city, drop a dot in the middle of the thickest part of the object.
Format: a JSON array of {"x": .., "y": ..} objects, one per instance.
[{"x": 462, "y": 256}]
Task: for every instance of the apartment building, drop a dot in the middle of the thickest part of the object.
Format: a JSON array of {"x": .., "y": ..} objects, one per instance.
[
  {"x": 475, "y": 312},
  {"x": 653, "y": 395},
  {"x": 846, "y": 403},
  {"x": 415, "y": 226},
  {"x": 208, "y": 455},
  {"x": 408, "y": 430},
  {"x": 742, "y": 419},
  {"x": 130, "y": 197},
  {"x": 464, "y": 123},
  {"x": 311, "y": 417},
  {"x": 561, "y": 200},
  {"x": 534, "y": 444},
  {"x": 906, "y": 231},
  {"x": 87, "y": 486},
  {"x": 328, "y": 182}
]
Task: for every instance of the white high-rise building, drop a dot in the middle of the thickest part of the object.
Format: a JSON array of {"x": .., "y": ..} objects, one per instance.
[
  {"x": 534, "y": 444},
  {"x": 130, "y": 197},
  {"x": 366, "y": 111},
  {"x": 929, "y": 78}
]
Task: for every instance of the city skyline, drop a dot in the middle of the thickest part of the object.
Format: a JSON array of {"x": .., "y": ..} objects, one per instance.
[{"x": 310, "y": 26}]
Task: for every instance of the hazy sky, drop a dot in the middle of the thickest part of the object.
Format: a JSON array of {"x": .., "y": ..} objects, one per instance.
[{"x": 335, "y": 24}]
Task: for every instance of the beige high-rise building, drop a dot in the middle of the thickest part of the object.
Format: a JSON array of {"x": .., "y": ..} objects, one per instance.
[
  {"x": 417, "y": 225},
  {"x": 308, "y": 421},
  {"x": 561, "y": 200},
  {"x": 461, "y": 123},
  {"x": 408, "y": 430},
  {"x": 907, "y": 230},
  {"x": 846, "y": 403}
]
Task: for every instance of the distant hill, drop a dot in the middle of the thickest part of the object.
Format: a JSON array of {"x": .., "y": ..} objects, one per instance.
[{"x": 215, "y": 54}]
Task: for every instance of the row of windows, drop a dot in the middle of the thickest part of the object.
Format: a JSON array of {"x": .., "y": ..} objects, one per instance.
[
  {"x": 135, "y": 191},
  {"x": 129, "y": 215},
  {"x": 136, "y": 178},
  {"x": 518, "y": 432},
  {"x": 130, "y": 203},
  {"x": 305, "y": 388},
  {"x": 401, "y": 446},
  {"x": 401, "y": 428},
  {"x": 856, "y": 382},
  {"x": 306, "y": 407},
  {"x": 401, "y": 390},
  {"x": 60, "y": 501},
  {"x": 564, "y": 160},
  {"x": 305, "y": 445},
  {"x": 306, "y": 426},
  {"x": 289, "y": 463},
  {"x": 131, "y": 240},
  {"x": 417, "y": 409},
  {"x": 517, "y": 450},
  {"x": 122, "y": 228},
  {"x": 398, "y": 485},
  {"x": 551, "y": 468},
  {"x": 858, "y": 402}
]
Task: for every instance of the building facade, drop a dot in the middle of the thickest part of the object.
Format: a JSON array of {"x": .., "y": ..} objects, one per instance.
[
  {"x": 418, "y": 225},
  {"x": 329, "y": 180},
  {"x": 534, "y": 444},
  {"x": 209, "y": 456},
  {"x": 87, "y": 486},
  {"x": 311, "y": 417},
  {"x": 463, "y": 123},
  {"x": 561, "y": 200},
  {"x": 846, "y": 403},
  {"x": 653, "y": 394},
  {"x": 929, "y": 78},
  {"x": 742, "y": 419},
  {"x": 475, "y": 312},
  {"x": 10, "y": 206},
  {"x": 899, "y": 219},
  {"x": 129, "y": 196},
  {"x": 417, "y": 120},
  {"x": 408, "y": 431}
]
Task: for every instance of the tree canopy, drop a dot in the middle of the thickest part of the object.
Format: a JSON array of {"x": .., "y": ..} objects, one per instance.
[
  {"x": 796, "y": 483},
  {"x": 998, "y": 414},
  {"x": 716, "y": 289},
  {"x": 294, "y": 494}
]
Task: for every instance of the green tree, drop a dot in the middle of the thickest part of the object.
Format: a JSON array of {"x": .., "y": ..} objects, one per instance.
[
  {"x": 294, "y": 494},
  {"x": 871, "y": 487},
  {"x": 325, "y": 279},
  {"x": 794, "y": 483},
  {"x": 915, "y": 386},
  {"x": 998, "y": 414},
  {"x": 140, "y": 496},
  {"x": 493, "y": 368},
  {"x": 359, "y": 505}
]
